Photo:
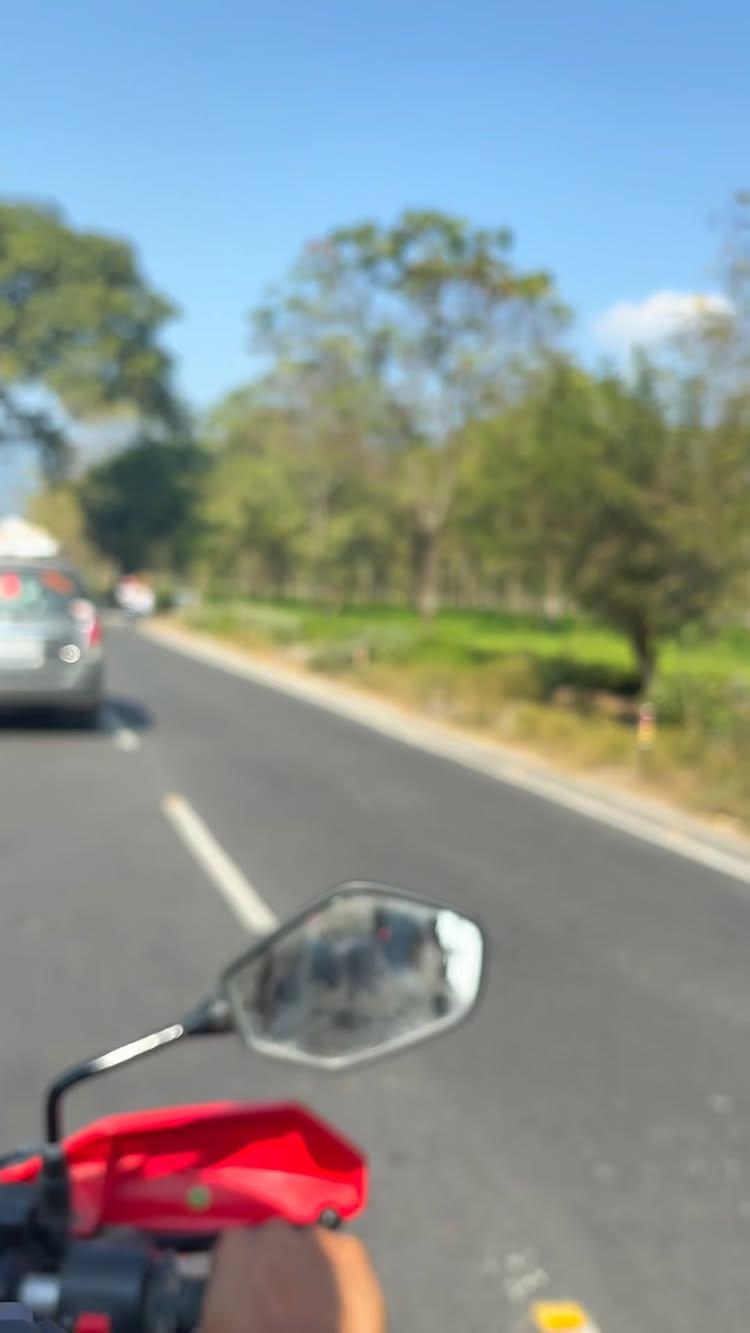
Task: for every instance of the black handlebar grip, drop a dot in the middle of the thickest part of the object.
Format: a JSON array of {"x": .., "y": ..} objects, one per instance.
[{"x": 190, "y": 1303}]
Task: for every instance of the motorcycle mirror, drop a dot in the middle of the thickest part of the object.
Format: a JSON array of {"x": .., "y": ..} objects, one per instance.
[{"x": 364, "y": 971}]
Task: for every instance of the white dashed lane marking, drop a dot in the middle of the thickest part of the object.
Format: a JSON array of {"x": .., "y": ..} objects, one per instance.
[{"x": 237, "y": 891}]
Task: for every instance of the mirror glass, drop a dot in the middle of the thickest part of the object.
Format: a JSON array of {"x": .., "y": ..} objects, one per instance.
[{"x": 365, "y": 971}]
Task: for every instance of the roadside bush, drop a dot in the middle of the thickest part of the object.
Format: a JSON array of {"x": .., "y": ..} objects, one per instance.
[
  {"x": 513, "y": 677},
  {"x": 389, "y": 644},
  {"x": 166, "y": 598},
  {"x": 263, "y": 622},
  {"x": 339, "y": 655},
  {"x": 556, "y": 673},
  {"x": 584, "y": 742},
  {"x": 709, "y": 706}
]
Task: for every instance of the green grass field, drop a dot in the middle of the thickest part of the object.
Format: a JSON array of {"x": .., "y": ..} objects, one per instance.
[
  {"x": 566, "y": 689},
  {"x": 467, "y": 638}
]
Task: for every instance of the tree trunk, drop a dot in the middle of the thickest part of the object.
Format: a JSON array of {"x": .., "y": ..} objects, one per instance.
[
  {"x": 644, "y": 650},
  {"x": 428, "y": 568},
  {"x": 553, "y": 598}
]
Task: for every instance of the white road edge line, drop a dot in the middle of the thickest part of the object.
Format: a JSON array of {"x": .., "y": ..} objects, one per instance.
[
  {"x": 247, "y": 904},
  {"x": 470, "y": 752},
  {"x": 123, "y": 738}
]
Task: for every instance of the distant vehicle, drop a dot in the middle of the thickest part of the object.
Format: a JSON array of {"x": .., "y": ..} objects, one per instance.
[
  {"x": 134, "y": 597},
  {"x": 51, "y": 651},
  {"x": 26, "y": 540}
]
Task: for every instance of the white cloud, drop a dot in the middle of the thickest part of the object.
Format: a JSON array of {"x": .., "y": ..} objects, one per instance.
[{"x": 656, "y": 317}]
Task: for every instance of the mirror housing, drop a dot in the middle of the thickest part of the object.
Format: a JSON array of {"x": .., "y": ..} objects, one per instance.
[{"x": 362, "y": 972}]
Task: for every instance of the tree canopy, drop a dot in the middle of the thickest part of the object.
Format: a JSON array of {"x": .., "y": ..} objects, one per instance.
[
  {"x": 79, "y": 332},
  {"x": 418, "y": 432},
  {"x": 139, "y": 506},
  {"x": 400, "y": 336}
]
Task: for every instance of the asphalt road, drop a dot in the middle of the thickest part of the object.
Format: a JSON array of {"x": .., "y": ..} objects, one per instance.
[{"x": 587, "y": 1135}]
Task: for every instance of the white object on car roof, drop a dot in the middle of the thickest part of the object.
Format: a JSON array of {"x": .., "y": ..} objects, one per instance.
[{"x": 25, "y": 540}]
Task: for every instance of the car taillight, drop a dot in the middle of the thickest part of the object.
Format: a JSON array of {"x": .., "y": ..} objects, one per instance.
[
  {"x": 94, "y": 634},
  {"x": 84, "y": 612}
]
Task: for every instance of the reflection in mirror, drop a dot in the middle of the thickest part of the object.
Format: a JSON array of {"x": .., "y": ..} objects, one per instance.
[{"x": 365, "y": 971}]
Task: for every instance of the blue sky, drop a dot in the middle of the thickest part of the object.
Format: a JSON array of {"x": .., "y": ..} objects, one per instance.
[{"x": 219, "y": 136}]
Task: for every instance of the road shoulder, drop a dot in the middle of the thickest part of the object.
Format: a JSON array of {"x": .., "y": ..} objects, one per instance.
[{"x": 654, "y": 822}]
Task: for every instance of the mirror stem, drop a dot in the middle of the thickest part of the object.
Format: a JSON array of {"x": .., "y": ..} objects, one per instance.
[
  {"x": 212, "y": 1016},
  {"x": 122, "y": 1055}
]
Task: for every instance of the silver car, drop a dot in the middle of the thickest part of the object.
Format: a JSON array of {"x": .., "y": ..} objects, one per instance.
[{"x": 50, "y": 639}]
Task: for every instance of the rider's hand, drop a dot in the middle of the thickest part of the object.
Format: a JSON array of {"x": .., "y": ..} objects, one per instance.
[{"x": 280, "y": 1280}]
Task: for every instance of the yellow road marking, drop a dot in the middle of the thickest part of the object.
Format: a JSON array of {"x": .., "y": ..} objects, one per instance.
[{"x": 552, "y": 1316}]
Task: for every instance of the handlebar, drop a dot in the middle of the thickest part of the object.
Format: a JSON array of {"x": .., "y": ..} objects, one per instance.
[
  {"x": 132, "y": 1287},
  {"x": 135, "y": 1290},
  {"x": 190, "y": 1303}
]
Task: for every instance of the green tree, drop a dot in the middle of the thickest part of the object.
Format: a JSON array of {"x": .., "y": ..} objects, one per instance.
[
  {"x": 141, "y": 505},
  {"x": 255, "y": 521},
  {"x": 645, "y": 560},
  {"x": 525, "y": 484},
  {"x": 295, "y": 499},
  {"x": 79, "y": 332},
  {"x": 613, "y": 495},
  {"x": 58, "y": 509},
  {"x": 434, "y": 324}
]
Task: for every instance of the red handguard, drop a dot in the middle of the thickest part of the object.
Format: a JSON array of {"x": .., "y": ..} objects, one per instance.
[{"x": 197, "y": 1170}]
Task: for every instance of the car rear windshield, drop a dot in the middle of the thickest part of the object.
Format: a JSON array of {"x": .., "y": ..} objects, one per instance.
[{"x": 36, "y": 594}]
